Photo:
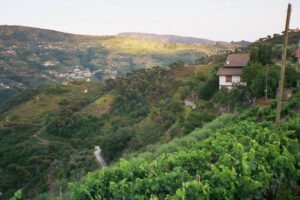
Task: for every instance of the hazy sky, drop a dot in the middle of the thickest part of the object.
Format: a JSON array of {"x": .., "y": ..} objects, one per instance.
[{"x": 225, "y": 20}]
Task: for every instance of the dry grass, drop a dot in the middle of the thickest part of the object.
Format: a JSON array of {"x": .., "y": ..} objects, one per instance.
[
  {"x": 185, "y": 73},
  {"x": 36, "y": 109},
  {"x": 100, "y": 106},
  {"x": 136, "y": 46}
]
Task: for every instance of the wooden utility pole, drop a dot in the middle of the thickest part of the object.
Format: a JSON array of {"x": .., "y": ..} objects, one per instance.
[
  {"x": 298, "y": 64},
  {"x": 266, "y": 89},
  {"x": 282, "y": 73}
]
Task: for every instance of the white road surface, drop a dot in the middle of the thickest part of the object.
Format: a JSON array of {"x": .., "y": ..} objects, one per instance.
[{"x": 99, "y": 157}]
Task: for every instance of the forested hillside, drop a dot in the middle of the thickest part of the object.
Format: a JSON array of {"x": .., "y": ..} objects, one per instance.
[
  {"x": 48, "y": 135},
  {"x": 275, "y": 43},
  {"x": 34, "y": 58}
]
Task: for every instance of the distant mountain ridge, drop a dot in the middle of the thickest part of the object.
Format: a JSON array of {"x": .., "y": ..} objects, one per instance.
[
  {"x": 34, "y": 57},
  {"x": 165, "y": 38}
]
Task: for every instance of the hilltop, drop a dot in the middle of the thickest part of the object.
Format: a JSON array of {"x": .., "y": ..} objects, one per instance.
[
  {"x": 34, "y": 58},
  {"x": 166, "y": 38},
  {"x": 276, "y": 41}
]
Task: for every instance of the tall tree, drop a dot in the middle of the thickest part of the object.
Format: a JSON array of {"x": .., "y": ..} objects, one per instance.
[{"x": 261, "y": 54}]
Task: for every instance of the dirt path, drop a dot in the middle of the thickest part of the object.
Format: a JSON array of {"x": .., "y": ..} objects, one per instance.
[
  {"x": 47, "y": 141},
  {"x": 8, "y": 122},
  {"x": 36, "y": 135},
  {"x": 40, "y": 140}
]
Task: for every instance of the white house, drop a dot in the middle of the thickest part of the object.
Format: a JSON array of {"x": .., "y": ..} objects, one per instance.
[{"x": 231, "y": 72}]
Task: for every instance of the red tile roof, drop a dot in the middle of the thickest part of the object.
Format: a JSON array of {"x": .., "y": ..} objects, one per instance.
[
  {"x": 233, "y": 71},
  {"x": 237, "y": 60}
]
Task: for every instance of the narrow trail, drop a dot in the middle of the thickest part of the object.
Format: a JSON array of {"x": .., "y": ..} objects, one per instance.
[
  {"x": 99, "y": 157},
  {"x": 47, "y": 141},
  {"x": 40, "y": 140},
  {"x": 7, "y": 123}
]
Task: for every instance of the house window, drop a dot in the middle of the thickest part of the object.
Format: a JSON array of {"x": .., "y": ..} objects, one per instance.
[{"x": 228, "y": 79}]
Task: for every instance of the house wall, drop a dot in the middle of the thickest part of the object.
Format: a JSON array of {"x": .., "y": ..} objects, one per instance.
[{"x": 235, "y": 80}]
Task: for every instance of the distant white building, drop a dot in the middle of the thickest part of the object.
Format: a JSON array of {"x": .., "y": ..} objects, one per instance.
[{"x": 231, "y": 71}]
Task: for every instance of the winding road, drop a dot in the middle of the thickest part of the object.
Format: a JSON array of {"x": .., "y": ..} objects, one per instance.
[{"x": 99, "y": 157}]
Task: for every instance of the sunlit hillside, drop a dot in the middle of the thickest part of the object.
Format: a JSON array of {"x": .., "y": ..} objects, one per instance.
[{"x": 34, "y": 58}]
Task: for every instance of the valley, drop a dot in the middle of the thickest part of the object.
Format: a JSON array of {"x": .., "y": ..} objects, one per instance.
[
  {"x": 34, "y": 58},
  {"x": 54, "y": 130},
  {"x": 158, "y": 116}
]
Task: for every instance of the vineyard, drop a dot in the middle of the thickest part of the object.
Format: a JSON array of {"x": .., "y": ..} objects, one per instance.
[{"x": 229, "y": 158}]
